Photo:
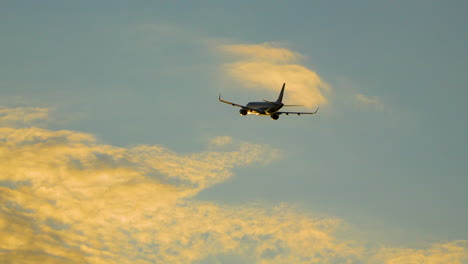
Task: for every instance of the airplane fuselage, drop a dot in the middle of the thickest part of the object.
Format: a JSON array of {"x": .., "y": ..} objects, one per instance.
[{"x": 262, "y": 108}]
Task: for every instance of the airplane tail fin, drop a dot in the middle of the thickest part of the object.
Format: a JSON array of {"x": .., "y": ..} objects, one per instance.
[{"x": 280, "y": 97}]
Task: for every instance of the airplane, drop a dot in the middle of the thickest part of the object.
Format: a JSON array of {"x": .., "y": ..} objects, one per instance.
[{"x": 266, "y": 107}]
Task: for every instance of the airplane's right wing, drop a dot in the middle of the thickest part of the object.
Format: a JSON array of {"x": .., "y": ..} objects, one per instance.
[
  {"x": 233, "y": 104},
  {"x": 298, "y": 113}
]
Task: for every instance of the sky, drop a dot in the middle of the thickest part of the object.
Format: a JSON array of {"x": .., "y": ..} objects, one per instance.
[{"x": 115, "y": 149}]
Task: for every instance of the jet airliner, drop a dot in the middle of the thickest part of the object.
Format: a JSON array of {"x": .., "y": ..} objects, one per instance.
[{"x": 266, "y": 107}]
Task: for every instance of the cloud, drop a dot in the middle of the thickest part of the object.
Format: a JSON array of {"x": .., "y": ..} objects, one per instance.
[
  {"x": 72, "y": 199},
  {"x": 259, "y": 66},
  {"x": 454, "y": 252},
  {"x": 67, "y": 198},
  {"x": 263, "y": 52},
  {"x": 221, "y": 141},
  {"x": 22, "y": 115},
  {"x": 268, "y": 66},
  {"x": 372, "y": 102}
]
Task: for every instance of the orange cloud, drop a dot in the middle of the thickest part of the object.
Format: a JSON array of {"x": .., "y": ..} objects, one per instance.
[
  {"x": 266, "y": 66},
  {"x": 67, "y": 198}
]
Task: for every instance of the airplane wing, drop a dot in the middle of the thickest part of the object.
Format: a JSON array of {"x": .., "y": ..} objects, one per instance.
[
  {"x": 298, "y": 113},
  {"x": 233, "y": 104}
]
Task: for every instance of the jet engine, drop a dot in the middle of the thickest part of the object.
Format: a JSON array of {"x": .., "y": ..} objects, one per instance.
[
  {"x": 274, "y": 116},
  {"x": 243, "y": 112}
]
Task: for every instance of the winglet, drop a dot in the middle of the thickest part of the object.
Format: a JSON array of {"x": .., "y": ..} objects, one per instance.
[{"x": 316, "y": 110}]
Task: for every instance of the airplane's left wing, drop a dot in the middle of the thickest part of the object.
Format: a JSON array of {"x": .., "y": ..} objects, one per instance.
[
  {"x": 233, "y": 104},
  {"x": 298, "y": 113}
]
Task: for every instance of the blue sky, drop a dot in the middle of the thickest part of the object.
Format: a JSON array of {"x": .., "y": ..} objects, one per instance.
[{"x": 384, "y": 160}]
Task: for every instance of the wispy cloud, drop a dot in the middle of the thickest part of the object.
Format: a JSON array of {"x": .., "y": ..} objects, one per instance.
[
  {"x": 221, "y": 141},
  {"x": 67, "y": 198},
  {"x": 372, "y": 102},
  {"x": 451, "y": 252},
  {"x": 268, "y": 66},
  {"x": 22, "y": 115}
]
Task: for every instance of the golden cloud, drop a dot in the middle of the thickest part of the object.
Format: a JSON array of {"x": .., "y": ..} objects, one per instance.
[
  {"x": 21, "y": 115},
  {"x": 66, "y": 198},
  {"x": 266, "y": 66},
  {"x": 454, "y": 252}
]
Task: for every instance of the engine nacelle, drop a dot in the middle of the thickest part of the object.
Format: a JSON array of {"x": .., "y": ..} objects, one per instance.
[
  {"x": 243, "y": 112},
  {"x": 274, "y": 116}
]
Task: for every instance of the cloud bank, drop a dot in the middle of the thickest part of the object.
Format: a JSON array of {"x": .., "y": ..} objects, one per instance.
[
  {"x": 67, "y": 198},
  {"x": 268, "y": 66}
]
